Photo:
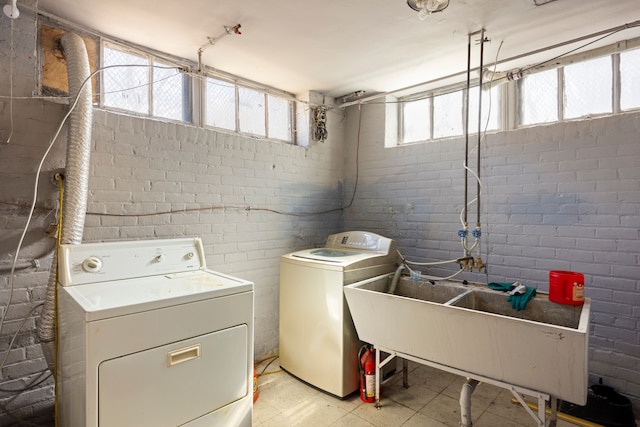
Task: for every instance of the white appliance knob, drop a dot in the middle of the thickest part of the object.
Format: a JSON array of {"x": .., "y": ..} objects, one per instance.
[
  {"x": 190, "y": 255},
  {"x": 92, "y": 264},
  {"x": 160, "y": 258}
]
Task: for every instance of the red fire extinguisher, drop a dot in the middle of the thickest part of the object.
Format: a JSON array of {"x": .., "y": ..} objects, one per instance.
[{"x": 367, "y": 364}]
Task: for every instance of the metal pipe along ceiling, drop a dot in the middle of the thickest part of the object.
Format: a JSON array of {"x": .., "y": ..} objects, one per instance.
[{"x": 502, "y": 61}]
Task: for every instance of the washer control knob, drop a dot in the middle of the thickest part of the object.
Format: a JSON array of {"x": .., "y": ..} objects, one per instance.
[
  {"x": 190, "y": 255},
  {"x": 159, "y": 258},
  {"x": 92, "y": 264}
]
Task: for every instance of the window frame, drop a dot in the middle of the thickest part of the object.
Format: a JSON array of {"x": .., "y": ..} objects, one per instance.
[
  {"x": 194, "y": 99},
  {"x": 187, "y": 98},
  {"x": 265, "y": 97},
  {"x": 511, "y": 94},
  {"x": 431, "y": 95}
]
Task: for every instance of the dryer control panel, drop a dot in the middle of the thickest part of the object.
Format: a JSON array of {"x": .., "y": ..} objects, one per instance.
[
  {"x": 100, "y": 262},
  {"x": 360, "y": 240}
]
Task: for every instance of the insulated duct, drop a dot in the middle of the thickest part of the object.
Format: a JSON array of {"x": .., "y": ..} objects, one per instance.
[{"x": 76, "y": 179}]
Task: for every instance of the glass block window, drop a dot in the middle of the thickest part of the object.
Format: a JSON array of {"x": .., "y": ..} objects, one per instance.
[
  {"x": 539, "y": 98},
  {"x": 133, "y": 82},
  {"x": 447, "y": 115},
  {"x": 416, "y": 120},
  {"x": 490, "y": 119},
  {"x": 279, "y": 112},
  {"x": 125, "y": 81},
  {"x": 251, "y": 111},
  {"x": 629, "y": 81},
  {"x": 220, "y": 104},
  {"x": 588, "y": 88}
]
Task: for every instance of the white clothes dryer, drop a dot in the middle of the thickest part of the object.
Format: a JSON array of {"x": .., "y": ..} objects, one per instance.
[
  {"x": 318, "y": 341},
  {"x": 149, "y": 337}
]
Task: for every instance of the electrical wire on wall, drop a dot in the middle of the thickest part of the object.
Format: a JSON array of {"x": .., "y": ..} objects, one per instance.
[
  {"x": 14, "y": 263},
  {"x": 467, "y": 261},
  {"x": 212, "y": 207},
  {"x": 32, "y": 207},
  {"x": 601, "y": 35},
  {"x": 513, "y": 75},
  {"x": 319, "y": 132},
  {"x": 11, "y": 53},
  {"x": 21, "y": 241}
]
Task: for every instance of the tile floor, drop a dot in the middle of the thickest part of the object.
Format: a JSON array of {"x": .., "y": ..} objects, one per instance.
[{"x": 432, "y": 400}]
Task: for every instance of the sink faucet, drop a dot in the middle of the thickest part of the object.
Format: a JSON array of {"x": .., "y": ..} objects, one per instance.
[
  {"x": 469, "y": 262},
  {"x": 466, "y": 262}
]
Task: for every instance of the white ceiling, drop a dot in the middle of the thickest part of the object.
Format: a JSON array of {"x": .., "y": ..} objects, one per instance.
[{"x": 340, "y": 46}]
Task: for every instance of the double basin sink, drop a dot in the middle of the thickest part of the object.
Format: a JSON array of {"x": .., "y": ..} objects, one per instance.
[{"x": 474, "y": 329}]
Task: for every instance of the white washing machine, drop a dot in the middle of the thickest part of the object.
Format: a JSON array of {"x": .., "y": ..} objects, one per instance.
[
  {"x": 149, "y": 337},
  {"x": 318, "y": 341}
]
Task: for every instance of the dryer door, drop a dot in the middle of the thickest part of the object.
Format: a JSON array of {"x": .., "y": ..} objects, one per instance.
[{"x": 175, "y": 383}]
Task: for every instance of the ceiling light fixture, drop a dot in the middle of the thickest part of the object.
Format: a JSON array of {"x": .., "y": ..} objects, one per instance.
[
  {"x": 11, "y": 10},
  {"x": 427, "y": 7}
]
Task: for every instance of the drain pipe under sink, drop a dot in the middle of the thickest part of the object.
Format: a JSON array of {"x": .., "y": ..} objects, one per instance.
[
  {"x": 396, "y": 278},
  {"x": 465, "y": 402},
  {"x": 76, "y": 181}
]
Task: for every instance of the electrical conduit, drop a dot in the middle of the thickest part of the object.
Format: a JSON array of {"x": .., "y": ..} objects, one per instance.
[{"x": 76, "y": 179}]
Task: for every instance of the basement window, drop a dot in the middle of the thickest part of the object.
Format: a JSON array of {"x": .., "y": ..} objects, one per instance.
[
  {"x": 588, "y": 88},
  {"x": 252, "y": 111},
  {"x": 220, "y": 104},
  {"x": 246, "y": 110},
  {"x": 629, "y": 82},
  {"x": 135, "y": 82},
  {"x": 539, "y": 98},
  {"x": 580, "y": 86},
  {"x": 490, "y": 119},
  {"x": 442, "y": 116},
  {"x": 578, "y": 90},
  {"x": 279, "y": 118},
  {"x": 416, "y": 120},
  {"x": 447, "y": 120}
]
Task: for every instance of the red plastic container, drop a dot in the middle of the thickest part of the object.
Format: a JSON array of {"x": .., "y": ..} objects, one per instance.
[{"x": 566, "y": 287}]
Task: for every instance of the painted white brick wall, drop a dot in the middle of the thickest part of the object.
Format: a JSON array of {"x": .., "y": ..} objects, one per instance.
[
  {"x": 562, "y": 196},
  {"x": 190, "y": 168},
  {"x": 142, "y": 166}
]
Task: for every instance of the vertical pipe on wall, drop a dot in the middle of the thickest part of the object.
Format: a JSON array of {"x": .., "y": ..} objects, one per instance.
[
  {"x": 479, "y": 125},
  {"x": 466, "y": 132}
]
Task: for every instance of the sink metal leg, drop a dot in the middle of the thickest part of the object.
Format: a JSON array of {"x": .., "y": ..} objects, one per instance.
[
  {"x": 542, "y": 411},
  {"x": 405, "y": 373},
  {"x": 540, "y": 417},
  {"x": 379, "y": 365},
  {"x": 554, "y": 411},
  {"x": 378, "y": 376}
]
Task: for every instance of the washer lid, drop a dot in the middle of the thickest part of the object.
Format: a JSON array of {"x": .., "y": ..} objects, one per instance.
[
  {"x": 118, "y": 298},
  {"x": 333, "y": 256}
]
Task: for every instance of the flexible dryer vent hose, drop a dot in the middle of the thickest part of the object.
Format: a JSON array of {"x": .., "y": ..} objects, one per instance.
[{"x": 76, "y": 182}]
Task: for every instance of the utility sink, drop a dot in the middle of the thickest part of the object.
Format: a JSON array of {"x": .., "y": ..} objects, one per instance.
[
  {"x": 414, "y": 289},
  {"x": 539, "y": 309},
  {"x": 474, "y": 329}
]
